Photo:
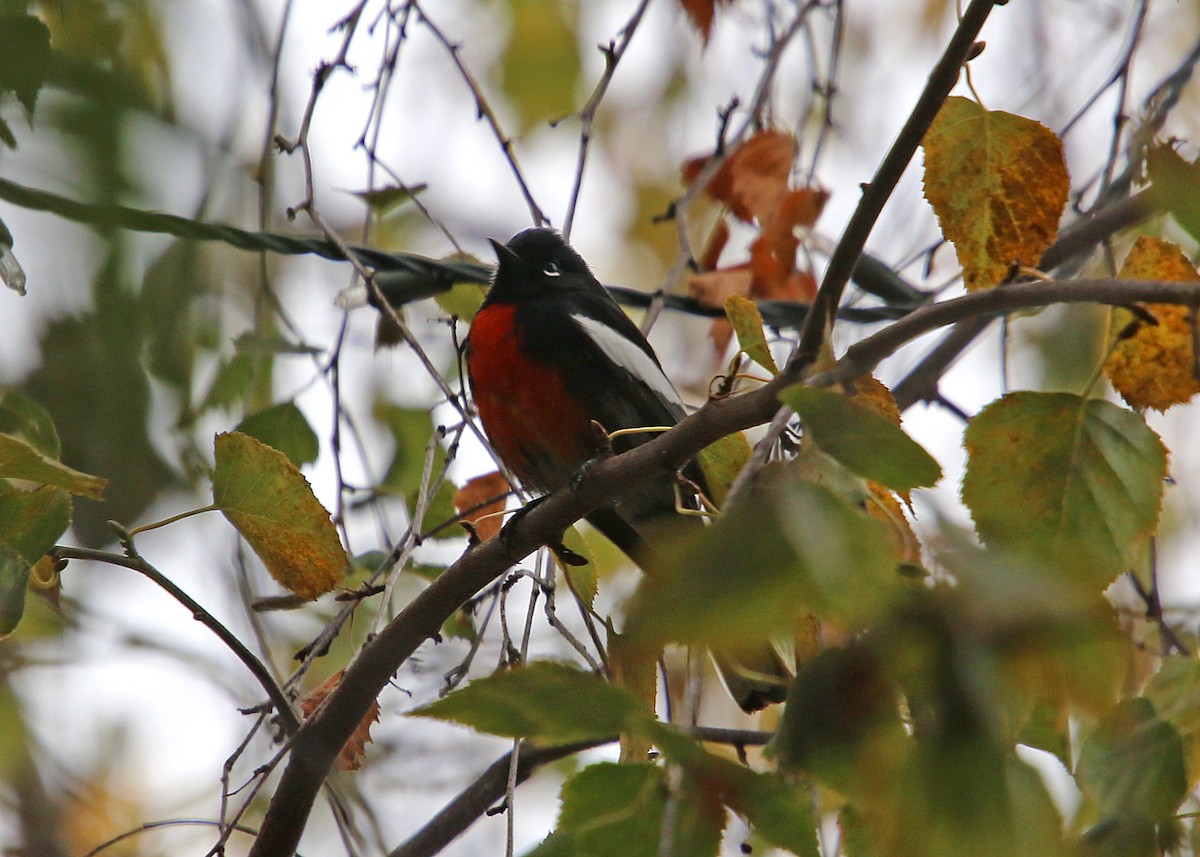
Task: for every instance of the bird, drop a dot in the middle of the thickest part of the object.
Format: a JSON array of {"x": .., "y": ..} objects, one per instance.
[{"x": 549, "y": 356}]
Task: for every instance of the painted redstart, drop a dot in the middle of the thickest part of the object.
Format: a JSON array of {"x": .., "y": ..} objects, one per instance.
[{"x": 548, "y": 354}]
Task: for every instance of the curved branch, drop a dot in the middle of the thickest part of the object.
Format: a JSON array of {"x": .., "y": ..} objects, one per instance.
[
  {"x": 489, "y": 787},
  {"x": 287, "y": 716},
  {"x": 321, "y": 737}
]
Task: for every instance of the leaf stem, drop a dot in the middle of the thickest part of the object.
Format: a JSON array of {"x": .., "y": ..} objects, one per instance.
[{"x": 154, "y": 525}]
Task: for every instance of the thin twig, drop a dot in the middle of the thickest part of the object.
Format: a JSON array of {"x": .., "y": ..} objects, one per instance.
[
  {"x": 477, "y": 798},
  {"x": 876, "y": 194},
  {"x": 485, "y": 112},
  {"x": 587, "y": 116},
  {"x": 275, "y": 693}
]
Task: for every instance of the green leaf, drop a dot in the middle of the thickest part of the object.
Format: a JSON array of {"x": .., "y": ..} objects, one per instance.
[
  {"x": 861, "y": 439},
  {"x": 1132, "y": 764},
  {"x": 14, "y": 582},
  {"x": 24, "y": 57},
  {"x": 1055, "y": 476},
  {"x": 283, "y": 427},
  {"x": 260, "y": 345},
  {"x": 462, "y": 300},
  {"x": 611, "y": 810},
  {"x": 764, "y": 563},
  {"x": 387, "y": 199},
  {"x": 271, "y": 504},
  {"x": 778, "y": 810},
  {"x": 541, "y": 64},
  {"x": 459, "y": 626},
  {"x": 1175, "y": 693},
  {"x": 411, "y": 429},
  {"x": 1176, "y": 185},
  {"x": 544, "y": 701},
  {"x": 721, "y": 462},
  {"x": 23, "y": 418},
  {"x": 30, "y": 523},
  {"x": 19, "y": 460},
  {"x": 92, "y": 380},
  {"x": 230, "y": 383},
  {"x": 841, "y": 721},
  {"x": 584, "y": 579},
  {"x": 747, "y": 323}
]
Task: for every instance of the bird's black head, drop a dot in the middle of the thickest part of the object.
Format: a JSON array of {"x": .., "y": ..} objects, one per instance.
[{"x": 535, "y": 261}]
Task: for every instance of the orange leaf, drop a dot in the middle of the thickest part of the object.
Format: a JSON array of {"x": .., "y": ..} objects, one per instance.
[
  {"x": 701, "y": 12},
  {"x": 476, "y": 502},
  {"x": 351, "y": 756},
  {"x": 714, "y": 288},
  {"x": 712, "y": 249},
  {"x": 753, "y": 180},
  {"x": 1155, "y": 367},
  {"x": 998, "y": 184}
]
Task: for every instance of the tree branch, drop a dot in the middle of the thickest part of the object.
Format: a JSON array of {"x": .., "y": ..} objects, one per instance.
[
  {"x": 473, "y": 801},
  {"x": 279, "y": 699},
  {"x": 322, "y": 735},
  {"x": 875, "y": 195}
]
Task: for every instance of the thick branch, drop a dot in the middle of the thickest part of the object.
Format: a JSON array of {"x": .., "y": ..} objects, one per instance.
[{"x": 322, "y": 735}]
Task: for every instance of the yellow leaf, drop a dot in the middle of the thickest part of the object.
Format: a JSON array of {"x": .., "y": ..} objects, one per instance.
[
  {"x": 271, "y": 504},
  {"x": 998, "y": 184},
  {"x": 635, "y": 669},
  {"x": 1155, "y": 367}
]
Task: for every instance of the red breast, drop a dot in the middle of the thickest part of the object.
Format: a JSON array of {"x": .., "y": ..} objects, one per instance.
[{"x": 532, "y": 420}]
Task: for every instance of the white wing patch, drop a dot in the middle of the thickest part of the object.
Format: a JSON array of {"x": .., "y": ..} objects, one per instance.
[{"x": 628, "y": 356}]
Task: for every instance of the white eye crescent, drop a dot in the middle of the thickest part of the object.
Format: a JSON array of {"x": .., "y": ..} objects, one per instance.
[{"x": 551, "y": 270}]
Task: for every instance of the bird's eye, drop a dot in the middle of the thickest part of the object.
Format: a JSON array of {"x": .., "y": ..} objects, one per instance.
[{"x": 551, "y": 270}]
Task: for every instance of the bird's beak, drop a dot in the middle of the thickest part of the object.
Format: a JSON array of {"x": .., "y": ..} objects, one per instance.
[{"x": 504, "y": 256}]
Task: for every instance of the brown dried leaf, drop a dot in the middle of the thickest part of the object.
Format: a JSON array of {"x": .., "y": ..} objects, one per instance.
[
  {"x": 715, "y": 288},
  {"x": 753, "y": 180},
  {"x": 351, "y": 756},
  {"x": 480, "y": 490},
  {"x": 702, "y": 12}
]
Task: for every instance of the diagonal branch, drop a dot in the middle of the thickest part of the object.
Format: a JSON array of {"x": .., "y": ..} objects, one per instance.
[
  {"x": 473, "y": 801},
  {"x": 321, "y": 737}
]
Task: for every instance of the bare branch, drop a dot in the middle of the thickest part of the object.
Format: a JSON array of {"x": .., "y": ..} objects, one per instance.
[
  {"x": 485, "y": 112},
  {"x": 587, "y": 116},
  {"x": 274, "y": 692}
]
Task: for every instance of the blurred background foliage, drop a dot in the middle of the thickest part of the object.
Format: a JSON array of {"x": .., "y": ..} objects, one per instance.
[{"x": 141, "y": 347}]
